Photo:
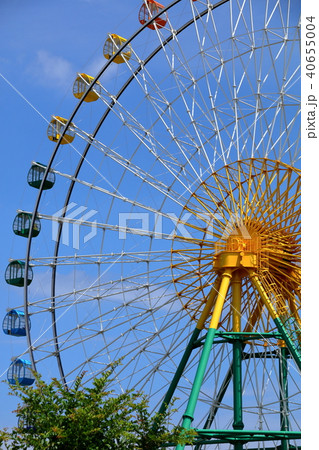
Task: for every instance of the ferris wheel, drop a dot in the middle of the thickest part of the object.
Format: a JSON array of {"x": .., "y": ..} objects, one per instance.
[{"x": 175, "y": 244}]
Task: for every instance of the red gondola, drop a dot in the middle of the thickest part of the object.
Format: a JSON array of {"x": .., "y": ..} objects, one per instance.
[{"x": 148, "y": 10}]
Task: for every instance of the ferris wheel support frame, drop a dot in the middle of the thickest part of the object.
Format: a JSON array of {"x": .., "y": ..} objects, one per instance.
[
  {"x": 283, "y": 372},
  {"x": 216, "y": 297}
]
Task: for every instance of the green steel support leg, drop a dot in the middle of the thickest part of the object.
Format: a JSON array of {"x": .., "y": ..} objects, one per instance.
[
  {"x": 237, "y": 389},
  {"x": 179, "y": 371},
  {"x": 291, "y": 346},
  {"x": 190, "y": 346},
  {"x": 281, "y": 328},
  {"x": 283, "y": 384},
  {"x": 201, "y": 368},
  {"x": 189, "y": 414},
  {"x": 228, "y": 377}
]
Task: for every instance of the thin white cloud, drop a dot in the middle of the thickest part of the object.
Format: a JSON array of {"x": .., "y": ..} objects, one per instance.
[{"x": 53, "y": 70}]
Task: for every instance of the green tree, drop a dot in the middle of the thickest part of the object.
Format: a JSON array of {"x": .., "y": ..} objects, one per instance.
[{"x": 90, "y": 418}]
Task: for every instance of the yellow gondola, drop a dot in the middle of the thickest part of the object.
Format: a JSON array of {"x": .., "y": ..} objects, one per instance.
[
  {"x": 56, "y": 128},
  {"x": 112, "y": 45},
  {"x": 81, "y": 85}
]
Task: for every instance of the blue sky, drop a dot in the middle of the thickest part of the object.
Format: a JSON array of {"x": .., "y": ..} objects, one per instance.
[{"x": 44, "y": 45}]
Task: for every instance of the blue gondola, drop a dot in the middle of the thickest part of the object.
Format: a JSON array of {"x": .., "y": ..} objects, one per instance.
[
  {"x": 20, "y": 371},
  {"x": 14, "y": 323}
]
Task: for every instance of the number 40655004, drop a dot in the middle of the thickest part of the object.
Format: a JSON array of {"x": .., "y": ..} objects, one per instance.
[{"x": 310, "y": 47}]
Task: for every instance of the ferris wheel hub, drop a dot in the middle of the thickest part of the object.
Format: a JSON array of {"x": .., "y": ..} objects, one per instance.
[{"x": 235, "y": 260}]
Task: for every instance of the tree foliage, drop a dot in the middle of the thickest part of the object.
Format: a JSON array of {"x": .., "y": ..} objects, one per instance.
[{"x": 52, "y": 417}]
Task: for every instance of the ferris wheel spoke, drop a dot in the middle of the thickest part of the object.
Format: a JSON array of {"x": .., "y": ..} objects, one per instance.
[
  {"x": 114, "y": 351},
  {"x": 129, "y": 166},
  {"x": 157, "y": 256},
  {"x": 265, "y": 201},
  {"x": 149, "y": 141},
  {"x": 66, "y": 336},
  {"x": 272, "y": 201},
  {"x": 172, "y": 345},
  {"x": 112, "y": 227},
  {"x": 164, "y": 109},
  {"x": 293, "y": 155},
  {"x": 159, "y": 186},
  {"x": 193, "y": 91},
  {"x": 277, "y": 211},
  {"x": 189, "y": 88},
  {"x": 111, "y": 289},
  {"x": 115, "y": 194}
]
